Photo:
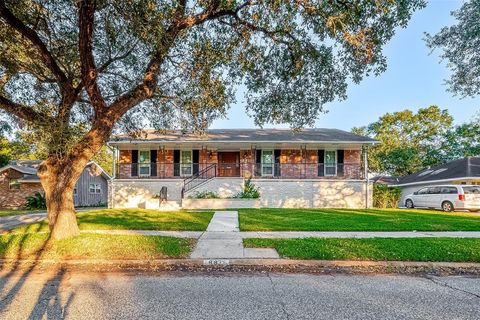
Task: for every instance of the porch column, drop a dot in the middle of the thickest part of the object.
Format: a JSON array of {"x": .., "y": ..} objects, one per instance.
[
  {"x": 114, "y": 164},
  {"x": 367, "y": 180}
]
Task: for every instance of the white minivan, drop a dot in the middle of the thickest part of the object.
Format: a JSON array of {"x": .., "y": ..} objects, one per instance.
[{"x": 447, "y": 198}]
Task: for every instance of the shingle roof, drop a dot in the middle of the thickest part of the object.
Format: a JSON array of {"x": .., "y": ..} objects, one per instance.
[
  {"x": 468, "y": 167},
  {"x": 250, "y": 135}
]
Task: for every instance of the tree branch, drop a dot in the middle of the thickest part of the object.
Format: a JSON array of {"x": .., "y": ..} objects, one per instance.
[
  {"x": 89, "y": 71},
  {"x": 21, "y": 111},
  {"x": 45, "y": 54}
]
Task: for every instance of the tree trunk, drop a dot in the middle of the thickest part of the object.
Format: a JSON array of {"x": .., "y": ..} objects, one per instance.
[{"x": 58, "y": 180}]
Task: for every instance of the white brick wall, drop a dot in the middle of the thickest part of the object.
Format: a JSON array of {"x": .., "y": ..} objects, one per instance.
[{"x": 274, "y": 193}]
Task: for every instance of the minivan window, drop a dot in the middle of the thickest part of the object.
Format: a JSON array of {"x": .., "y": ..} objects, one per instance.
[
  {"x": 449, "y": 190},
  {"x": 471, "y": 190},
  {"x": 434, "y": 190},
  {"x": 422, "y": 191}
]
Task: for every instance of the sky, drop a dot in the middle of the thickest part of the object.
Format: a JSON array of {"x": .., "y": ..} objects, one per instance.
[{"x": 414, "y": 79}]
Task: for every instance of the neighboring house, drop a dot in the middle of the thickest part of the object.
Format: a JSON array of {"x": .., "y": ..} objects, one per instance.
[
  {"x": 19, "y": 180},
  {"x": 310, "y": 168},
  {"x": 460, "y": 171}
]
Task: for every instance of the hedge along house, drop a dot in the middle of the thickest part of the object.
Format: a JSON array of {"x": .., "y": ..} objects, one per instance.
[
  {"x": 310, "y": 168},
  {"x": 19, "y": 180}
]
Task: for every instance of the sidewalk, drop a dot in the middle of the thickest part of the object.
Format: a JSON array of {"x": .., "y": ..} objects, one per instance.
[
  {"x": 296, "y": 234},
  {"x": 221, "y": 240}
]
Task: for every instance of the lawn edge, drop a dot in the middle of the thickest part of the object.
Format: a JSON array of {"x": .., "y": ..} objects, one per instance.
[{"x": 249, "y": 265}]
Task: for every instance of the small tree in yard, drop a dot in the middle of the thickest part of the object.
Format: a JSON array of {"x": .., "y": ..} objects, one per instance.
[{"x": 73, "y": 71}]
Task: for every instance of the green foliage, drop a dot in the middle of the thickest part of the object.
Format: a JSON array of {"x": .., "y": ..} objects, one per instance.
[
  {"x": 408, "y": 141},
  {"x": 385, "y": 197},
  {"x": 207, "y": 195},
  {"x": 37, "y": 201},
  {"x": 459, "y": 44},
  {"x": 250, "y": 191}
]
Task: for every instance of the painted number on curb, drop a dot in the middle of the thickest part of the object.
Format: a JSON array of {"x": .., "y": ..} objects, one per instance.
[{"x": 216, "y": 262}]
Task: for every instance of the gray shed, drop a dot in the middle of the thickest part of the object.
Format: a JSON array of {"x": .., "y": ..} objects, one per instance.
[{"x": 92, "y": 186}]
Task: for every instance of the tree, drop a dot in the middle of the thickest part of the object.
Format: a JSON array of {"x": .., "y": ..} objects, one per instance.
[
  {"x": 461, "y": 141},
  {"x": 408, "y": 141},
  {"x": 75, "y": 70},
  {"x": 460, "y": 45}
]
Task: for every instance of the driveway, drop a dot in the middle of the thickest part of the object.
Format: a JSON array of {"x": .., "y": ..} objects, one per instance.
[
  {"x": 237, "y": 296},
  {"x": 10, "y": 222}
]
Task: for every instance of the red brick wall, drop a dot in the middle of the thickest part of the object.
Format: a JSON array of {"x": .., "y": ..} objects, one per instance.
[
  {"x": 124, "y": 168},
  {"x": 352, "y": 164},
  {"x": 15, "y": 198}
]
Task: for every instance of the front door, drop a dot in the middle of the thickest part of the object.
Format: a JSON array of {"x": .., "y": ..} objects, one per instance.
[{"x": 229, "y": 164}]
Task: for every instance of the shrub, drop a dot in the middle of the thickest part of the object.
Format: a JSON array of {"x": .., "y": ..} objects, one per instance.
[
  {"x": 37, "y": 201},
  {"x": 250, "y": 191},
  {"x": 206, "y": 195},
  {"x": 386, "y": 197}
]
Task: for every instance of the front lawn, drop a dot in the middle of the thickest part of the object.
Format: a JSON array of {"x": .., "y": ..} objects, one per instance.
[
  {"x": 356, "y": 220},
  {"x": 93, "y": 246},
  {"x": 134, "y": 219},
  {"x": 375, "y": 249}
]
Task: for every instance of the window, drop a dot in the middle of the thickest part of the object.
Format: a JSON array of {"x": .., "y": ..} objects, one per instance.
[
  {"x": 471, "y": 190},
  {"x": 449, "y": 190},
  {"x": 422, "y": 191},
  {"x": 330, "y": 163},
  {"x": 434, "y": 190},
  {"x": 267, "y": 162},
  {"x": 186, "y": 162},
  {"x": 144, "y": 163},
  {"x": 13, "y": 184},
  {"x": 95, "y": 188}
]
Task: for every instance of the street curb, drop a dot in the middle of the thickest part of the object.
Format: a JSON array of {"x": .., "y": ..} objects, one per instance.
[{"x": 248, "y": 265}]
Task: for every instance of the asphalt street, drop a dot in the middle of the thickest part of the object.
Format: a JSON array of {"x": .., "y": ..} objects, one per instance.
[{"x": 64, "y": 295}]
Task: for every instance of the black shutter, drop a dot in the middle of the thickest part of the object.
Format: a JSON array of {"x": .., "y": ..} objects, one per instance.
[
  {"x": 340, "y": 157},
  {"x": 276, "y": 153},
  {"x": 134, "y": 168},
  {"x": 176, "y": 163},
  {"x": 321, "y": 159},
  {"x": 196, "y": 160},
  {"x": 258, "y": 163},
  {"x": 153, "y": 163}
]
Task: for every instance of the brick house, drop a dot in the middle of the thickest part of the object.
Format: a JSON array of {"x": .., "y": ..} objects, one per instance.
[
  {"x": 19, "y": 180},
  {"x": 310, "y": 168}
]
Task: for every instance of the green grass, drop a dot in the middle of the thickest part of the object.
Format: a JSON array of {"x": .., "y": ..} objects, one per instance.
[
  {"x": 92, "y": 246},
  {"x": 376, "y": 249},
  {"x": 10, "y": 212},
  {"x": 356, "y": 220},
  {"x": 133, "y": 219}
]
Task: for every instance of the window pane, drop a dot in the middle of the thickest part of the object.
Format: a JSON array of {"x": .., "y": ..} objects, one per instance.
[
  {"x": 144, "y": 156},
  {"x": 14, "y": 184},
  {"x": 144, "y": 170},
  {"x": 330, "y": 171},
  {"x": 186, "y": 157},
  {"x": 267, "y": 169},
  {"x": 330, "y": 157},
  {"x": 267, "y": 156}
]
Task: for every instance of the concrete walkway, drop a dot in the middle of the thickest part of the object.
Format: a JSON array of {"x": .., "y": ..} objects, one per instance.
[
  {"x": 221, "y": 240},
  {"x": 10, "y": 222},
  {"x": 293, "y": 234}
]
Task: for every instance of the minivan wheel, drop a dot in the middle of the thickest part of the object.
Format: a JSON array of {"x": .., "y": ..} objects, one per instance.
[
  {"x": 447, "y": 206},
  {"x": 409, "y": 204}
]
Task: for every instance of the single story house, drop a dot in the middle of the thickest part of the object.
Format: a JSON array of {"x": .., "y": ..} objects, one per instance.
[
  {"x": 19, "y": 180},
  {"x": 311, "y": 168},
  {"x": 461, "y": 171}
]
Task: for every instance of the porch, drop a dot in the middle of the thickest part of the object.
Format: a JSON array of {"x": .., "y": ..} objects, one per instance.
[{"x": 259, "y": 163}]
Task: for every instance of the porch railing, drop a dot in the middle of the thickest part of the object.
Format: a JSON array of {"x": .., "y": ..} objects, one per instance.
[{"x": 304, "y": 170}]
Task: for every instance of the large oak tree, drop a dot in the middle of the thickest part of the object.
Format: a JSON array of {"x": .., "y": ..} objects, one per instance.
[{"x": 73, "y": 71}]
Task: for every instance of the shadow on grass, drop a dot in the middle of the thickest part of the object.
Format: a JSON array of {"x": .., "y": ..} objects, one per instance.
[{"x": 15, "y": 273}]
